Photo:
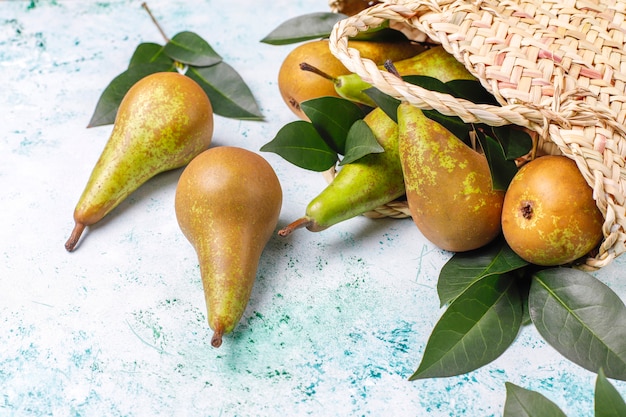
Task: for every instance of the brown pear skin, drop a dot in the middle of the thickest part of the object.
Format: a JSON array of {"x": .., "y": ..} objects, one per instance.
[
  {"x": 448, "y": 185},
  {"x": 162, "y": 123},
  {"x": 228, "y": 201},
  {"x": 360, "y": 186}
]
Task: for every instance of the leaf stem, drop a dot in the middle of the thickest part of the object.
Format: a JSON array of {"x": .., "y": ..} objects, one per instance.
[{"x": 156, "y": 23}]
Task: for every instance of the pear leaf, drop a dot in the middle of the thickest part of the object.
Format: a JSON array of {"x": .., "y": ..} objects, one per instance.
[
  {"x": 471, "y": 90},
  {"x": 189, "y": 48},
  {"x": 502, "y": 169},
  {"x": 454, "y": 124},
  {"x": 607, "y": 402},
  {"x": 230, "y": 96},
  {"x": 323, "y": 113},
  {"x": 111, "y": 97},
  {"x": 478, "y": 326},
  {"x": 360, "y": 142},
  {"x": 581, "y": 317},
  {"x": 515, "y": 142},
  {"x": 302, "y": 28},
  {"x": 148, "y": 53},
  {"x": 299, "y": 143},
  {"x": 466, "y": 268},
  {"x": 521, "y": 402},
  {"x": 387, "y": 103}
]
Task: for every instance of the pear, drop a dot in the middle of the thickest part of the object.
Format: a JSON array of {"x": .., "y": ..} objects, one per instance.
[
  {"x": 162, "y": 123},
  {"x": 435, "y": 62},
  {"x": 360, "y": 186},
  {"x": 296, "y": 86},
  {"x": 227, "y": 204},
  {"x": 448, "y": 184}
]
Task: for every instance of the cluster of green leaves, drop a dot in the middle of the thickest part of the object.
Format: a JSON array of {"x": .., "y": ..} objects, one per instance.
[
  {"x": 490, "y": 293},
  {"x": 186, "y": 52}
]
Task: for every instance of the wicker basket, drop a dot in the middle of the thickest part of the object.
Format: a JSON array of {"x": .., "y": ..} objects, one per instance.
[{"x": 556, "y": 68}]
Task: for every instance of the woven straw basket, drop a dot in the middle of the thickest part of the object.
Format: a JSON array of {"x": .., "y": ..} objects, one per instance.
[{"x": 558, "y": 68}]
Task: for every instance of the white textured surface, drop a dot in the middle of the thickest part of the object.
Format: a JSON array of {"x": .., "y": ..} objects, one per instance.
[{"x": 337, "y": 321}]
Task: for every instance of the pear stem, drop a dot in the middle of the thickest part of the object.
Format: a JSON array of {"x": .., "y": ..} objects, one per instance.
[
  {"x": 298, "y": 224},
  {"x": 391, "y": 68},
  {"x": 156, "y": 23},
  {"x": 304, "y": 66},
  {"x": 75, "y": 236},
  {"x": 216, "y": 340}
]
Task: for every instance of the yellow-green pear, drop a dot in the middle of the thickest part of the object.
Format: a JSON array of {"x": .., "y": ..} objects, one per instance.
[
  {"x": 162, "y": 123},
  {"x": 448, "y": 184},
  {"x": 360, "y": 186},
  {"x": 227, "y": 203},
  {"x": 435, "y": 62}
]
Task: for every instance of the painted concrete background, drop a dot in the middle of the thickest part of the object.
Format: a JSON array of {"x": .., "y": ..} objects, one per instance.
[{"x": 337, "y": 321}]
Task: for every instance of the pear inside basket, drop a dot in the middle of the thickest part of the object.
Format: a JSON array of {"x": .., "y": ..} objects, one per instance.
[{"x": 560, "y": 78}]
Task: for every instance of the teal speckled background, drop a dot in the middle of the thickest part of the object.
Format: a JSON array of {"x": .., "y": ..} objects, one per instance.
[{"x": 337, "y": 321}]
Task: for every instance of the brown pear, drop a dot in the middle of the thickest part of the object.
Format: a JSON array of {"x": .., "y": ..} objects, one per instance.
[
  {"x": 549, "y": 215},
  {"x": 448, "y": 184},
  {"x": 227, "y": 203},
  {"x": 297, "y": 85}
]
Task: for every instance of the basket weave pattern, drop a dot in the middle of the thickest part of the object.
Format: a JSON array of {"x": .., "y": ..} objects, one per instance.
[{"x": 556, "y": 68}]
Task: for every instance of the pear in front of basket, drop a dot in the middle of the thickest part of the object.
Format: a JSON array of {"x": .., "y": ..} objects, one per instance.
[
  {"x": 549, "y": 216},
  {"x": 227, "y": 204},
  {"x": 162, "y": 123},
  {"x": 448, "y": 184},
  {"x": 360, "y": 186}
]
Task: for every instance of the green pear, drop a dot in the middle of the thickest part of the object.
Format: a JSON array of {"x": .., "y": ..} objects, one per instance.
[
  {"x": 227, "y": 204},
  {"x": 360, "y": 186},
  {"x": 448, "y": 184},
  {"x": 162, "y": 123},
  {"x": 435, "y": 62}
]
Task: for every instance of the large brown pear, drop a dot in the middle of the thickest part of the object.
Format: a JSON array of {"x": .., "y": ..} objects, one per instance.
[
  {"x": 448, "y": 184},
  {"x": 549, "y": 216},
  {"x": 227, "y": 203},
  {"x": 297, "y": 85},
  {"x": 163, "y": 122}
]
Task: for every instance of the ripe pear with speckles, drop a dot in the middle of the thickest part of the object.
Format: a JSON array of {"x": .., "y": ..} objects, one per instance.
[
  {"x": 162, "y": 123},
  {"x": 448, "y": 184},
  {"x": 228, "y": 201}
]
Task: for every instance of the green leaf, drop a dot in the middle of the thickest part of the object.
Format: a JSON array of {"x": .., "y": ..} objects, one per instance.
[
  {"x": 515, "y": 142},
  {"x": 521, "y": 402},
  {"x": 361, "y": 141},
  {"x": 111, "y": 97},
  {"x": 191, "y": 49},
  {"x": 466, "y": 268},
  {"x": 230, "y": 96},
  {"x": 299, "y": 143},
  {"x": 332, "y": 117},
  {"x": 149, "y": 53},
  {"x": 477, "y": 327},
  {"x": 608, "y": 402},
  {"x": 471, "y": 90},
  {"x": 580, "y": 317},
  {"x": 304, "y": 27},
  {"x": 502, "y": 170},
  {"x": 387, "y": 103}
]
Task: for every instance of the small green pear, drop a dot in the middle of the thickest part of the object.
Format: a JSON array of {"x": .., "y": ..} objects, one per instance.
[
  {"x": 435, "y": 62},
  {"x": 448, "y": 184},
  {"x": 227, "y": 204},
  {"x": 162, "y": 123},
  {"x": 360, "y": 186}
]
